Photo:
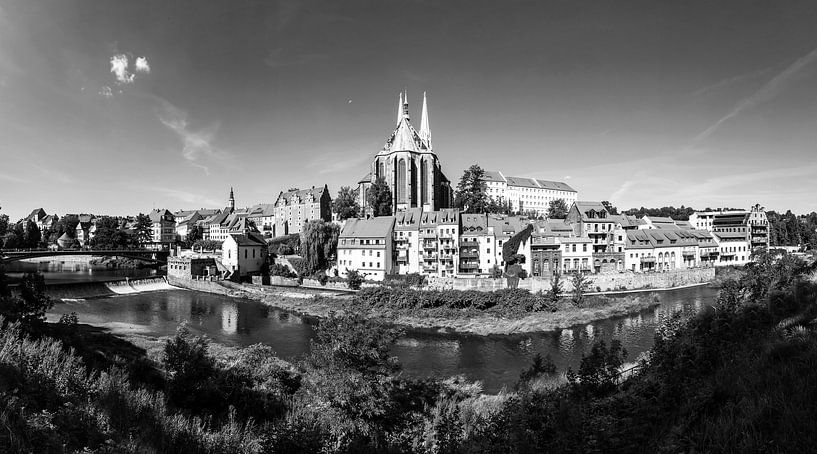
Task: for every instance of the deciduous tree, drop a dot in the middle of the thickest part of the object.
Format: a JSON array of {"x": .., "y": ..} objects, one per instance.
[
  {"x": 345, "y": 204},
  {"x": 557, "y": 209},
  {"x": 472, "y": 191},
  {"x": 319, "y": 243},
  {"x": 143, "y": 229}
]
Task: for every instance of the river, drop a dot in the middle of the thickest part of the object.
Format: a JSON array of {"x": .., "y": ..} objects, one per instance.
[{"x": 494, "y": 360}]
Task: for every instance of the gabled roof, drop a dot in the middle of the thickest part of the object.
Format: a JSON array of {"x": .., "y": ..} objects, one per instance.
[
  {"x": 473, "y": 223},
  {"x": 408, "y": 219},
  {"x": 248, "y": 239},
  {"x": 376, "y": 227},
  {"x": 36, "y": 215},
  {"x": 444, "y": 216},
  {"x": 316, "y": 192},
  {"x": 584, "y": 207},
  {"x": 555, "y": 185},
  {"x": 493, "y": 176},
  {"x": 262, "y": 210},
  {"x": 157, "y": 215}
]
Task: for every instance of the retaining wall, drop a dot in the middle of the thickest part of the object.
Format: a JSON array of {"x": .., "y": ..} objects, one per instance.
[{"x": 601, "y": 282}]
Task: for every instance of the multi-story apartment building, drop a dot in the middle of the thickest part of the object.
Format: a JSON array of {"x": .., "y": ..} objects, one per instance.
[
  {"x": 407, "y": 241},
  {"x": 187, "y": 219},
  {"x": 592, "y": 220},
  {"x": 263, "y": 216},
  {"x": 476, "y": 245},
  {"x": 753, "y": 223},
  {"x": 366, "y": 245},
  {"x": 86, "y": 229},
  {"x": 296, "y": 207},
  {"x": 660, "y": 250},
  {"x": 439, "y": 239},
  {"x": 527, "y": 194},
  {"x": 733, "y": 248},
  {"x": 164, "y": 227}
]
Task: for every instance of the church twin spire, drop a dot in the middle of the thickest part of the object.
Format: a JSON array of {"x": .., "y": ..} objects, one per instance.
[{"x": 403, "y": 112}]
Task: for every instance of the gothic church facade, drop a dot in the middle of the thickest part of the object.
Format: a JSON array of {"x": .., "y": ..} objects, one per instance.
[{"x": 409, "y": 166}]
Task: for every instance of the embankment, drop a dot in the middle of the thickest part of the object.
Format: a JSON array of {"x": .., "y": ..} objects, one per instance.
[
  {"x": 301, "y": 301},
  {"x": 83, "y": 290}
]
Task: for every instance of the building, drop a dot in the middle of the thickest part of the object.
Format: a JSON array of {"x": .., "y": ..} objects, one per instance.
[
  {"x": 366, "y": 245},
  {"x": 660, "y": 250},
  {"x": 527, "y": 194},
  {"x": 439, "y": 238},
  {"x": 187, "y": 219},
  {"x": 733, "y": 248},
  {"x": 85, "y": 230},
  {"x": 407, "y": 241},
  {"x": 294, "y": 208},
  {"x": 592, "y": 220},
  {"x": 263, "y": 216},
  {"x": 753, "y": 223},
  {"x": 409, "y": 166},
  {"x": 243, "y": 254},
  {"x": 164, "y": 227},
  {"x": 475, "y": 239},
  {"x": 189, "y": 267}
]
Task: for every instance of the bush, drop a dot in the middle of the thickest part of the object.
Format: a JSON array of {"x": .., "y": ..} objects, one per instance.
[
  {"x": 278, "y": 269},
  {"x": 354, "y": 279},
  {"x": 405, "y": 280},
  {"x": 505, "y": 301}
]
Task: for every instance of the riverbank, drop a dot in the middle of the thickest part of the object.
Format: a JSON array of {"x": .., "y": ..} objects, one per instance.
[{"x": 322, "y": 304}]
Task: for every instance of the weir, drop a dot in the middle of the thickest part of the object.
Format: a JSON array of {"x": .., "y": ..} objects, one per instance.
[{"x": 82, "y": 290}]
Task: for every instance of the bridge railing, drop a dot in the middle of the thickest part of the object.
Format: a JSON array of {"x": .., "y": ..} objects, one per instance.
[{"x": 131, "y": 251}]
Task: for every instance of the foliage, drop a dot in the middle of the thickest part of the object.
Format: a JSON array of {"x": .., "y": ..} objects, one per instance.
[
  {"x": 11, "y": 240},
  {"x": 379, "y": 198},
  {"x": 598, "y": 372},
  {"x": 354, "y": 279},
  {"x": 788, "y": 229},
  {"x": 556, "y": 288},
  {"x": 679, "y": 214},
  {"x": 505, "y": 301},
  {"x": 193, "y": 235},
  {"x": 286, "y": 244},
  {"x": 498, "y": 206},
  {"x": 207, "y": 245},
  {"x": 496, "y": 271},
  {"x": 30, "y": 306},
  {"x": 581, "y": 284},
  {"x": 4, "y": 224},
  {"x": 278, "y": 269},
  {"x": 345, "y": 204},
  {"x": 539, "y": 366},
  {"x": 31, "y": 235},
  {"x": 472, "y": 191},
  {"x": 109, "y": 235},
  {"x": 319, "y": 244},
  {"x": 557, "y": 209},
  {"x": 609, "y": 207},
  {"x": 405, "y": 280},
  {"x": 143, "y": 229}
]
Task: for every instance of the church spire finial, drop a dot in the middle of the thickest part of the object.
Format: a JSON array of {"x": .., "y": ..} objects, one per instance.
[
  {"x": 400, "y": 108},
  {"x": 405, "y": 104},
  {"x": 425, "y": 130}
]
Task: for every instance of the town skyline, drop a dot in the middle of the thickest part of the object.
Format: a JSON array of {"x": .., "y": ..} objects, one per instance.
[{"x": 119, "y": 109}]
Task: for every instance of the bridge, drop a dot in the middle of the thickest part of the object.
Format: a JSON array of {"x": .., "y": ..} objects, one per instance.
[{"x": 147, "y": 255}]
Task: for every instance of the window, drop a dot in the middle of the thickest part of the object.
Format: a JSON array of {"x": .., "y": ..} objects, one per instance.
[
  {"x": 378, "y": 254},
  {"x": 584, "y": 247},
  {"x": 574, "y": 248}
]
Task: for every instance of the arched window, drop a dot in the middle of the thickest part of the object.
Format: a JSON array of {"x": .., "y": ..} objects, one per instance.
[
  {"x": 401, "y": 181},
  {"x": 424, "y": 181},
  {"x": 381, "y": 170}
]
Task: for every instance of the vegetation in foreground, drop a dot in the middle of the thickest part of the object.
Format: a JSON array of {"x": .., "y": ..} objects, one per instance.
[{"x": 740, "y": 378}]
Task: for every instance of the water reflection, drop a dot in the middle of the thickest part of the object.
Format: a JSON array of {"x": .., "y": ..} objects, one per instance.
[{"x": 496, "y": 360}]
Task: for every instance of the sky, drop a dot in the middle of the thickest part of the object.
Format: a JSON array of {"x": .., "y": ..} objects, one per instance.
[{"x": 117, "y": 107}]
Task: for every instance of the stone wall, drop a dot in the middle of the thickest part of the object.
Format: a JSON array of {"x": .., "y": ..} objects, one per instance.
[{"x": 598, "y": 282}]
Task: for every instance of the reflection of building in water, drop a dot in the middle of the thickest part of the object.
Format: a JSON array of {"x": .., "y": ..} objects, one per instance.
[
  {"x": 229, "y": 318},
  {"x": 566, "y": 340},
  {"x": 589, "y": 329}
]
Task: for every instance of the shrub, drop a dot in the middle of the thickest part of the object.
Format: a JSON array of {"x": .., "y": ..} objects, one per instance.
[
  {"x": 354, "y": 279},
  {"x": 278, "y": 269}
]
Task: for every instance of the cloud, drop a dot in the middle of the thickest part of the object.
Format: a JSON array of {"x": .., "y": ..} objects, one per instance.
[
  {"x": 196, "y": 144},
  {"x": 119, "y": 67},
  {"x": 766, "y": 93},
  {"x": 188, "y": 197},
  {"x": 106, "y": 92},
  {"x": 731, "y": 80},
  {"x": 142, "y": 65}
]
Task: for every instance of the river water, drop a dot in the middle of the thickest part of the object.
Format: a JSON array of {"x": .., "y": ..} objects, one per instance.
[{"x": 494, "y": 360}]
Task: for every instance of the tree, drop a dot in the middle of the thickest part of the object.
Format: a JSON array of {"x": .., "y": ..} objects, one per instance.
[
  {"x": 610, "y": 208},
  {"x": 556, "y": 288},
  {"x": 109, "y": 235},
  {"x": 496, "y": 272},
  {"x": 498, "y": 207},
  {"x": 207, "y": 245},
  {"x": 188, "y": 366},
  {"x": 4, "y": 224},
  {"x": 143, "y": 229},
  {"x": 557, "y": 209},
  {"x": 32, "y": 304},
  {"x": 345, "y": 204},
  {"x": 319, "y": 244},
  {"x": 354, "y": 279},
  {"x": 580, "y": 285},
  {"x": 472, "y": 192},
  {"x": 32, "y": 235},
  {"x": 193, "y": 235},
  {"x": 380, "y": 198},
  {"x": 11, "y": 240}
]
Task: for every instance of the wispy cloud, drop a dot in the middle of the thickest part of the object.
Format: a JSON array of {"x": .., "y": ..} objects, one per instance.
[
  {"x": 731, "y": 81},
  {"x": 337, "y": 161},
  {"x": 196, "y": 144},
  {"x": 188, "y": 197},
  {"x": 764, "y": 94},
  {"x": 106, "y": 92},
  {"x": 12, "y": 178}
]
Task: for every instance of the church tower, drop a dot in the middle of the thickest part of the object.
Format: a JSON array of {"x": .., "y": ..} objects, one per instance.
[
  {"x": 409, "y": 166},
  {"x": 231, "y": 201}
]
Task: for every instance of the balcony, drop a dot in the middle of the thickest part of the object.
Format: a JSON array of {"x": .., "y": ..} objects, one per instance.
[
  {"x": 469, "y": 242},
  {"x": 429, "y": 256},
  {"x": 430, "y": 269},
  {"x": 429, "y": 245},
  {"x": 428, "y": 235},
  {"x": 469, "y": 266},
  {"x": 469, "y": 254}
]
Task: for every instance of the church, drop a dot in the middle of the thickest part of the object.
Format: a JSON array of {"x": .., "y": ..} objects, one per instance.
[{"x": 410, "y": 167}]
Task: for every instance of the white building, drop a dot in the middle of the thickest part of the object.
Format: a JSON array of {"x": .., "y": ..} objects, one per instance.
[
  {"x": 733, "y": 248},
  {"x": 527, "y": 194},
  {"x": 407, "y": 241},
  {"x": 366, "y": 245},
  {"x": 243, "y": 254},
  {"x": 439, "y": 242}
]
